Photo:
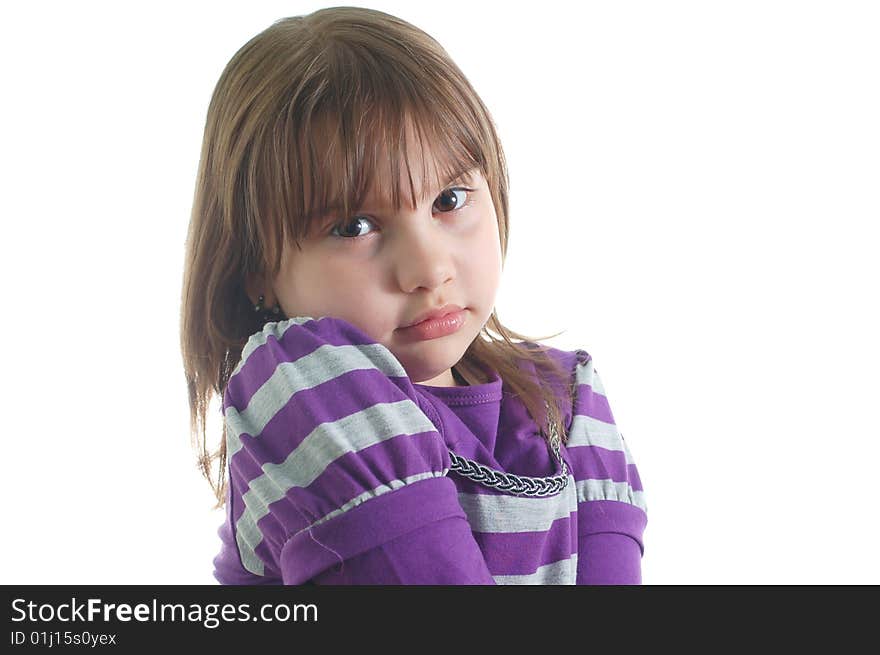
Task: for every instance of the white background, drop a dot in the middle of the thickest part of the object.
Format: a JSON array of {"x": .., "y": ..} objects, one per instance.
[{"x": 695, "y": 193}]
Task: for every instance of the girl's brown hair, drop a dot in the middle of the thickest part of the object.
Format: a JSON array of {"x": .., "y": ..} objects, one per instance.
[{"x": 298, "y": 122}]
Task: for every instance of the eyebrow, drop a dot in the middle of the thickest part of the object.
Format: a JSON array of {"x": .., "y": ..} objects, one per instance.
[{"x": 466, "y": 175}]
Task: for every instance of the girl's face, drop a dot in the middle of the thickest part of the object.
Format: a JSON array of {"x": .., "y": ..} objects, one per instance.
[{"x": 380, "y": 269}]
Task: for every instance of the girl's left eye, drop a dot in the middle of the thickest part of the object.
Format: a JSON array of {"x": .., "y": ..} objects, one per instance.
[
  {"x": 453, "y": 190},
  {"x": 445, "y": 195}
]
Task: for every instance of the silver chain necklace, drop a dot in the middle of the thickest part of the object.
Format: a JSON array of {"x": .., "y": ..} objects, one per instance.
[{"x": 517, "y": 485}]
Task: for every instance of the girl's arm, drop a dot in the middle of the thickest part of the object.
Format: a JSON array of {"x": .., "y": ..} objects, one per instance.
[
  {"x": 336, "y": 474},
  {"x": 612, "y": 513}
]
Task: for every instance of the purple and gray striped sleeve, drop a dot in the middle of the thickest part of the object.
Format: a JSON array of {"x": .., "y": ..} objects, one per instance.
[
  {"x": 332, "y": 461},
  {"x": 612, "y": 513}
]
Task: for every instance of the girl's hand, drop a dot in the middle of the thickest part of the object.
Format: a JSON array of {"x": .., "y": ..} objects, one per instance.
[{"x": 331, "y": 454}]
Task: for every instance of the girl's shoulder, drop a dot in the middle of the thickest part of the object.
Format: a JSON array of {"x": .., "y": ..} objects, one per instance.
[
  {"x": 566, "y": 360},
  {"x": 564, "y": 377}
]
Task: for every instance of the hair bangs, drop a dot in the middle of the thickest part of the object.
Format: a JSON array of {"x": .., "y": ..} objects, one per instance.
[{"x": 386, "y": 139}]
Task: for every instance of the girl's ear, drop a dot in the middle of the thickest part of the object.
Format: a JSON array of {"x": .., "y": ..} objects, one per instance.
[{"x": 256, "y": 286}]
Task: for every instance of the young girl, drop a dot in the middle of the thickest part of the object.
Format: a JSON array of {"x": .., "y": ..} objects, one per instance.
[{"x": 352, "y": 180}]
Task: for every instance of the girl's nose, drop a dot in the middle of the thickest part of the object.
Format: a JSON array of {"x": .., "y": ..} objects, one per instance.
[{"x": 422, "y": 256}]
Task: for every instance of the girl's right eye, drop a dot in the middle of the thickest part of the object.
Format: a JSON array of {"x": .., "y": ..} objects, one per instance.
[{"x": 346, "y": 224}]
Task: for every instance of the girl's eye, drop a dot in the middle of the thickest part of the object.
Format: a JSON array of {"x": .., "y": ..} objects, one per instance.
[
  {"x": 348, "y": 224},
  {"x": 450, "y": 200},
  {"x": 445, "y": 196}
]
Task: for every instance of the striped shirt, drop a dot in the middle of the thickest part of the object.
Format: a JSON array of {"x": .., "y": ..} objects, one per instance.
[{"x": 341, "y": 472}]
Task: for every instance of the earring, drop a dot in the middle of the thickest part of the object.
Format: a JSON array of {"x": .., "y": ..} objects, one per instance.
[{"x": 268, "y": 315}]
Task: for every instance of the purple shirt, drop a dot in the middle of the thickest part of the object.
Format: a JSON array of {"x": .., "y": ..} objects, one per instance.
[{"x": 340, "y": 473}]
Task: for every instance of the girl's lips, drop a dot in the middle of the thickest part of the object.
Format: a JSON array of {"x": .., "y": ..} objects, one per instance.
[
  {"x": 436, "y": 312},
  {"x": 434, "y": 328}
]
